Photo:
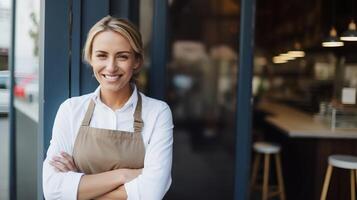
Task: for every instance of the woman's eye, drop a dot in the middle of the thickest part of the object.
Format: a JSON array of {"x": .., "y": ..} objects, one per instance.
[
  {"x": 123, "y": 57},
  {"x": 101, "y": 56}
]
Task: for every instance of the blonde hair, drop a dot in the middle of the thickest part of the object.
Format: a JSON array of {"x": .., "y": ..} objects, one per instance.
[{"x": 121, "y": 26}]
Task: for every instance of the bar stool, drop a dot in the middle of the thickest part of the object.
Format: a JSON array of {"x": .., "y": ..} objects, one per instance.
[
  {"x": 344, "y": 162},
  {"x": 267, "y": 149}
]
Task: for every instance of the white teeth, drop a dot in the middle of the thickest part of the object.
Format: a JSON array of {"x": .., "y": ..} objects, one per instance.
[{"x": 111, "y": 77}]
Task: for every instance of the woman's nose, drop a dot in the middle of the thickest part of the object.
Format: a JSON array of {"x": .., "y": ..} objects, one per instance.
[{"x": 111, "y": 65}]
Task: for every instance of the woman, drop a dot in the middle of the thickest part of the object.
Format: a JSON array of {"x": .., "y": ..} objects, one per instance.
[{"x": 114, "y": 143}]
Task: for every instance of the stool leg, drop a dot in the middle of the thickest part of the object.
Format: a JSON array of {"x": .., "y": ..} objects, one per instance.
[
  {"x": 266, "y": 177},
  {"x": 355, "y": 175},
  {"x": 255, "y": 170},
  {"x": 279, "y": 173},
  {"x": 353, "y": 190},
  {"x": 326, "y": 182}
]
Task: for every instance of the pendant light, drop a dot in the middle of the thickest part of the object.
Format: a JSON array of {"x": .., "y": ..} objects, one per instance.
[
  {"x": 350, "y": 34},
  {"x": 279, "y": 60},
  {"x": 297, "y": 52},
  {"x": 332, "y": 40},
  {"x": 287, "y": 56}
]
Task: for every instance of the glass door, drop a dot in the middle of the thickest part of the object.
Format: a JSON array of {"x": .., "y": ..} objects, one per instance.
[
  {"x": 202, "y": 79},
  {"x": 5, "y": 24},
  {"x": 26, "y": 97}
]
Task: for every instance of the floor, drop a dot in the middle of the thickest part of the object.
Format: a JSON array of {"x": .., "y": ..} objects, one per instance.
[{"x": 4, "y": 158}]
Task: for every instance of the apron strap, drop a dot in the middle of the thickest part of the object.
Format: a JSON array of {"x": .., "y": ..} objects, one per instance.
[
  {"x": 138, "y": 122},
  {"x": 89, "y": 113}
]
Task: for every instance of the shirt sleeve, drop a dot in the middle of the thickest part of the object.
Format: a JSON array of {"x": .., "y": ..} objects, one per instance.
[
  {"x": 60, "y": 185},
  {"x": 155, "y": 179}
]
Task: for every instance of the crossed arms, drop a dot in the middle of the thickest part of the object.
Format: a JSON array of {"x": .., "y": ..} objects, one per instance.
[{"x": 106, "y": 185}]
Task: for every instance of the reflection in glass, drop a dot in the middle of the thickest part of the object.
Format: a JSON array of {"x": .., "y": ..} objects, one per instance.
[
  {"x": 145, "y": 27},
  {"x": 202, "y": 90},
  {"x": 27, "y": 57},
  {"x": 26, "y": 98},
  {"x": 5, "y": 21}
]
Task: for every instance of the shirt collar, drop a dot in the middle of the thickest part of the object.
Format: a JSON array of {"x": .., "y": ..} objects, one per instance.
[{"x": 132, "y": 101}]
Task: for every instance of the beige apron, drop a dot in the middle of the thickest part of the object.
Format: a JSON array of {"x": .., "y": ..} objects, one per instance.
[{"x": 99, "y": 150}]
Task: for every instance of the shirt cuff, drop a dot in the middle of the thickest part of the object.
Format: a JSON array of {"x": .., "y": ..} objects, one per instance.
[
  {"x": 70, "y": 189},
  {"x": 131, "y": 189}
]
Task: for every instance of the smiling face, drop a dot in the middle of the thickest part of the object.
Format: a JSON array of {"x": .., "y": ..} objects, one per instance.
[{"x": 113, "y": 61}]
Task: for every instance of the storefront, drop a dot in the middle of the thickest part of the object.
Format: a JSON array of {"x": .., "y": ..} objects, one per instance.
[{"x": 224, "y": 96}]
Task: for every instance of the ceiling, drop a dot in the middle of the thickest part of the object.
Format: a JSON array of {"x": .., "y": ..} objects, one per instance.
[{"x": 279, "y": 23}]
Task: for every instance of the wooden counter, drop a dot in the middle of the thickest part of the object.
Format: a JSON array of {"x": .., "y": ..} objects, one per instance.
[{"x": 296, "y": 123}]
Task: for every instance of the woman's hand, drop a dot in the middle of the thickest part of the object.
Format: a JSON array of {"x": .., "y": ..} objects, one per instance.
[
  {"x": 120, "y": 193},
  {"x": 117, "y": 194},
  {"x": 129, "y": 174},
  {"x": 106, "y": 185},
  {"x": 63, "y": 163}
]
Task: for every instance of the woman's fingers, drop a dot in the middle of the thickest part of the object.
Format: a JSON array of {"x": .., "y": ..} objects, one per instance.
[
  {"x": 69, "y": 161},
  {"x": 130, "y": 174},
  {"x": 59, "y": 166},
  {"x": 64, "y": 163}
]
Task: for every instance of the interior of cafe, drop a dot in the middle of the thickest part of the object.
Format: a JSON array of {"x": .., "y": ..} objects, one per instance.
[{"x": 305, "y": 92}]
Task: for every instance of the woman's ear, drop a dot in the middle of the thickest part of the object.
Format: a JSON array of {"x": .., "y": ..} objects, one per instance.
[
  {"x": 137, "y": 69},
  {"x": 137, "y": 66}
]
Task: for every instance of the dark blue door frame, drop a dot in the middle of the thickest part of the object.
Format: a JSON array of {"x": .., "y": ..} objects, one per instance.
[
  {"x": 157, "y": 76},
  {"x": 76, "y": 45},
  {"x": 244, "y": 95},
  {"x": 128, "y": 9},
  {"x": 55, "y": 70},
  {"x": 12, "y": 136}
]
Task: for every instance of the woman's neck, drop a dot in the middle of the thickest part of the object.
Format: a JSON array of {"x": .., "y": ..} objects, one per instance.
[{"x": 115, "y": 100}]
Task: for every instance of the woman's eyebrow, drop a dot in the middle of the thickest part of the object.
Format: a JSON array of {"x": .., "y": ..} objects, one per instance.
[
  {"x": 120, "y": 52},
  {"x": 99, "y": 51}
]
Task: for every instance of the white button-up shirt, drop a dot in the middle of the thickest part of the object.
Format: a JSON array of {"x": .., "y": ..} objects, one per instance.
[{"x": 155, "y": 179}]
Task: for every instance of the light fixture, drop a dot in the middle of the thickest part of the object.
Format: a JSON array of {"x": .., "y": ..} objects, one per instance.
[
  {"x": 351, "y": 33},
  {"x": 332, "y": 40},
  {"x": 287, "y": 56},
  {"x": 279, "y": 60},
  {"x": 296, "y": 52}
]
